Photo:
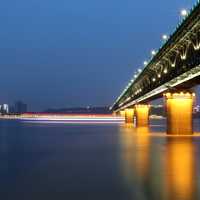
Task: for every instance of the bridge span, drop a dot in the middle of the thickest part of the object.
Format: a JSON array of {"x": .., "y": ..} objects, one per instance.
[{"x": 172, "y": 73}]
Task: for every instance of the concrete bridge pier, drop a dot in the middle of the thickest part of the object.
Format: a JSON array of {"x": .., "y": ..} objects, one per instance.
[
  {"x": 115, "y": 114},
  {"x": 129, "y": 115},
  {"x": 122, "y": 113},
  {"x": 142, "y": 115},
  {"x": 119, "y": 113},
  {"x": 179, "y": 107}
]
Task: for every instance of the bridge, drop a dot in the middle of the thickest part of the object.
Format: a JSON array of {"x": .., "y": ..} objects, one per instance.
[{"x": 171, "y": 73}]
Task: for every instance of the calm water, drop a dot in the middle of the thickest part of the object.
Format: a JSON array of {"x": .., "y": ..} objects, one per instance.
[{"x": 89, "y": 162}]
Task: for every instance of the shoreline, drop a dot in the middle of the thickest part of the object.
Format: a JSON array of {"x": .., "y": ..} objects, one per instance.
[{"x": 70, "y": 117}]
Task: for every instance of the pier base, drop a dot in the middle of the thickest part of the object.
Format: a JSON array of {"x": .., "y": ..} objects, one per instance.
[
  {"x": 122, "y": 113},
  {"x": 142, "y": 115},
  {"x": 179, "y": 113},
  {"x": 129, "y": 115}
]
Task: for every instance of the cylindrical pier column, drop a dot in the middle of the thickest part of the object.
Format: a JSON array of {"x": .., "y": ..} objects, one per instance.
[
  {"x": 122, "y": 113},
  {"x": 129, "y": 115},
  {"x": 142, "y": 115},
  {"x": 115, "y": 114},
  {"x": 179, "y": 107}
]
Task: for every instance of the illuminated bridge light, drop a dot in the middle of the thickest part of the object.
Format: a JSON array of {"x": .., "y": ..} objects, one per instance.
[
  {"x": 139, "y": 70},
  {"x": 153, "y": 52},
  {"x": 164, "y": 37},
  {"x": 184, "y": 12},
  {"x": 179, "y": 95},
  {"x": 173, "y": 64},
  {"x": 159, "y": 75},
  {"x": 197, "y": 46},
  {"x": 153, "y": 79},
  {"x": 168, "y": 95},
  {"x": 145, "y": 63},
  {"x": 183, "y": 57},
  {"x": 165, "y": 71},
  {"x": 128, "y": 98}
]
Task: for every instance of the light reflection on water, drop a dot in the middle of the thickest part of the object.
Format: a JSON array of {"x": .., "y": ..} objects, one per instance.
[
  {"x": 181, "y": 169},
  {"x": 159, "y": 166}
]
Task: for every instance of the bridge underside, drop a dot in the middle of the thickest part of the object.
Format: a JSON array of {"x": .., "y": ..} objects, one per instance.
[{"x": 186, "y": 81}]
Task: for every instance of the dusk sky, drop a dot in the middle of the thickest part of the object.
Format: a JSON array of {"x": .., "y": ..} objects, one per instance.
[{"x": 65, "y": 53}]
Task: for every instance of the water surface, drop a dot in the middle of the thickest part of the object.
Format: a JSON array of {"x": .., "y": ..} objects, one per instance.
[{"x": 88, "y": 162}]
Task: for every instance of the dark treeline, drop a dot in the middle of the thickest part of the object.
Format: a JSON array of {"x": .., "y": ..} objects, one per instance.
[{"x": 80, "y": 110}]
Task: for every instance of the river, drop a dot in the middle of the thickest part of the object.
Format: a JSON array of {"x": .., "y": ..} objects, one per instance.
[{"x": 51, "y": 161}]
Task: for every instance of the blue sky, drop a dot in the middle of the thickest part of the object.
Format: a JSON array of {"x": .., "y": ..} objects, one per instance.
[{"x": 76, "y": 53}]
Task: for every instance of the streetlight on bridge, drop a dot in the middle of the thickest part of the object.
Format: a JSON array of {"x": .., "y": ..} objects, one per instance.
[
  {"x": 153, "y": 52},
  {"x": 164, "y": 37},
  {"x": 145, "y": 63},
  {"x": 184, "y": 12}
]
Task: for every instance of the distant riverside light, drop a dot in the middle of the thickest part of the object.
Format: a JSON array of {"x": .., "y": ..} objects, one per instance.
[{"x": 145, "y": 63}]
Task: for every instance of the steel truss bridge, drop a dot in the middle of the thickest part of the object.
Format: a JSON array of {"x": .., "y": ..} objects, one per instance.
[{"x": 175, "y": 66}]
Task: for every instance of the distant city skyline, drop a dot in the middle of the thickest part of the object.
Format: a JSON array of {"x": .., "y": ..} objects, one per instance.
[{"x": 78, "y": 53}]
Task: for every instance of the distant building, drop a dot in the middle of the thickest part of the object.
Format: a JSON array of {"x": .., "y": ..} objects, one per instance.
[
  {"x": 20, "y": 107},
  {"x": 11, "y": 109},
  {"x": 197, "y": 109},
  {"x": 4, "y": 109}
]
